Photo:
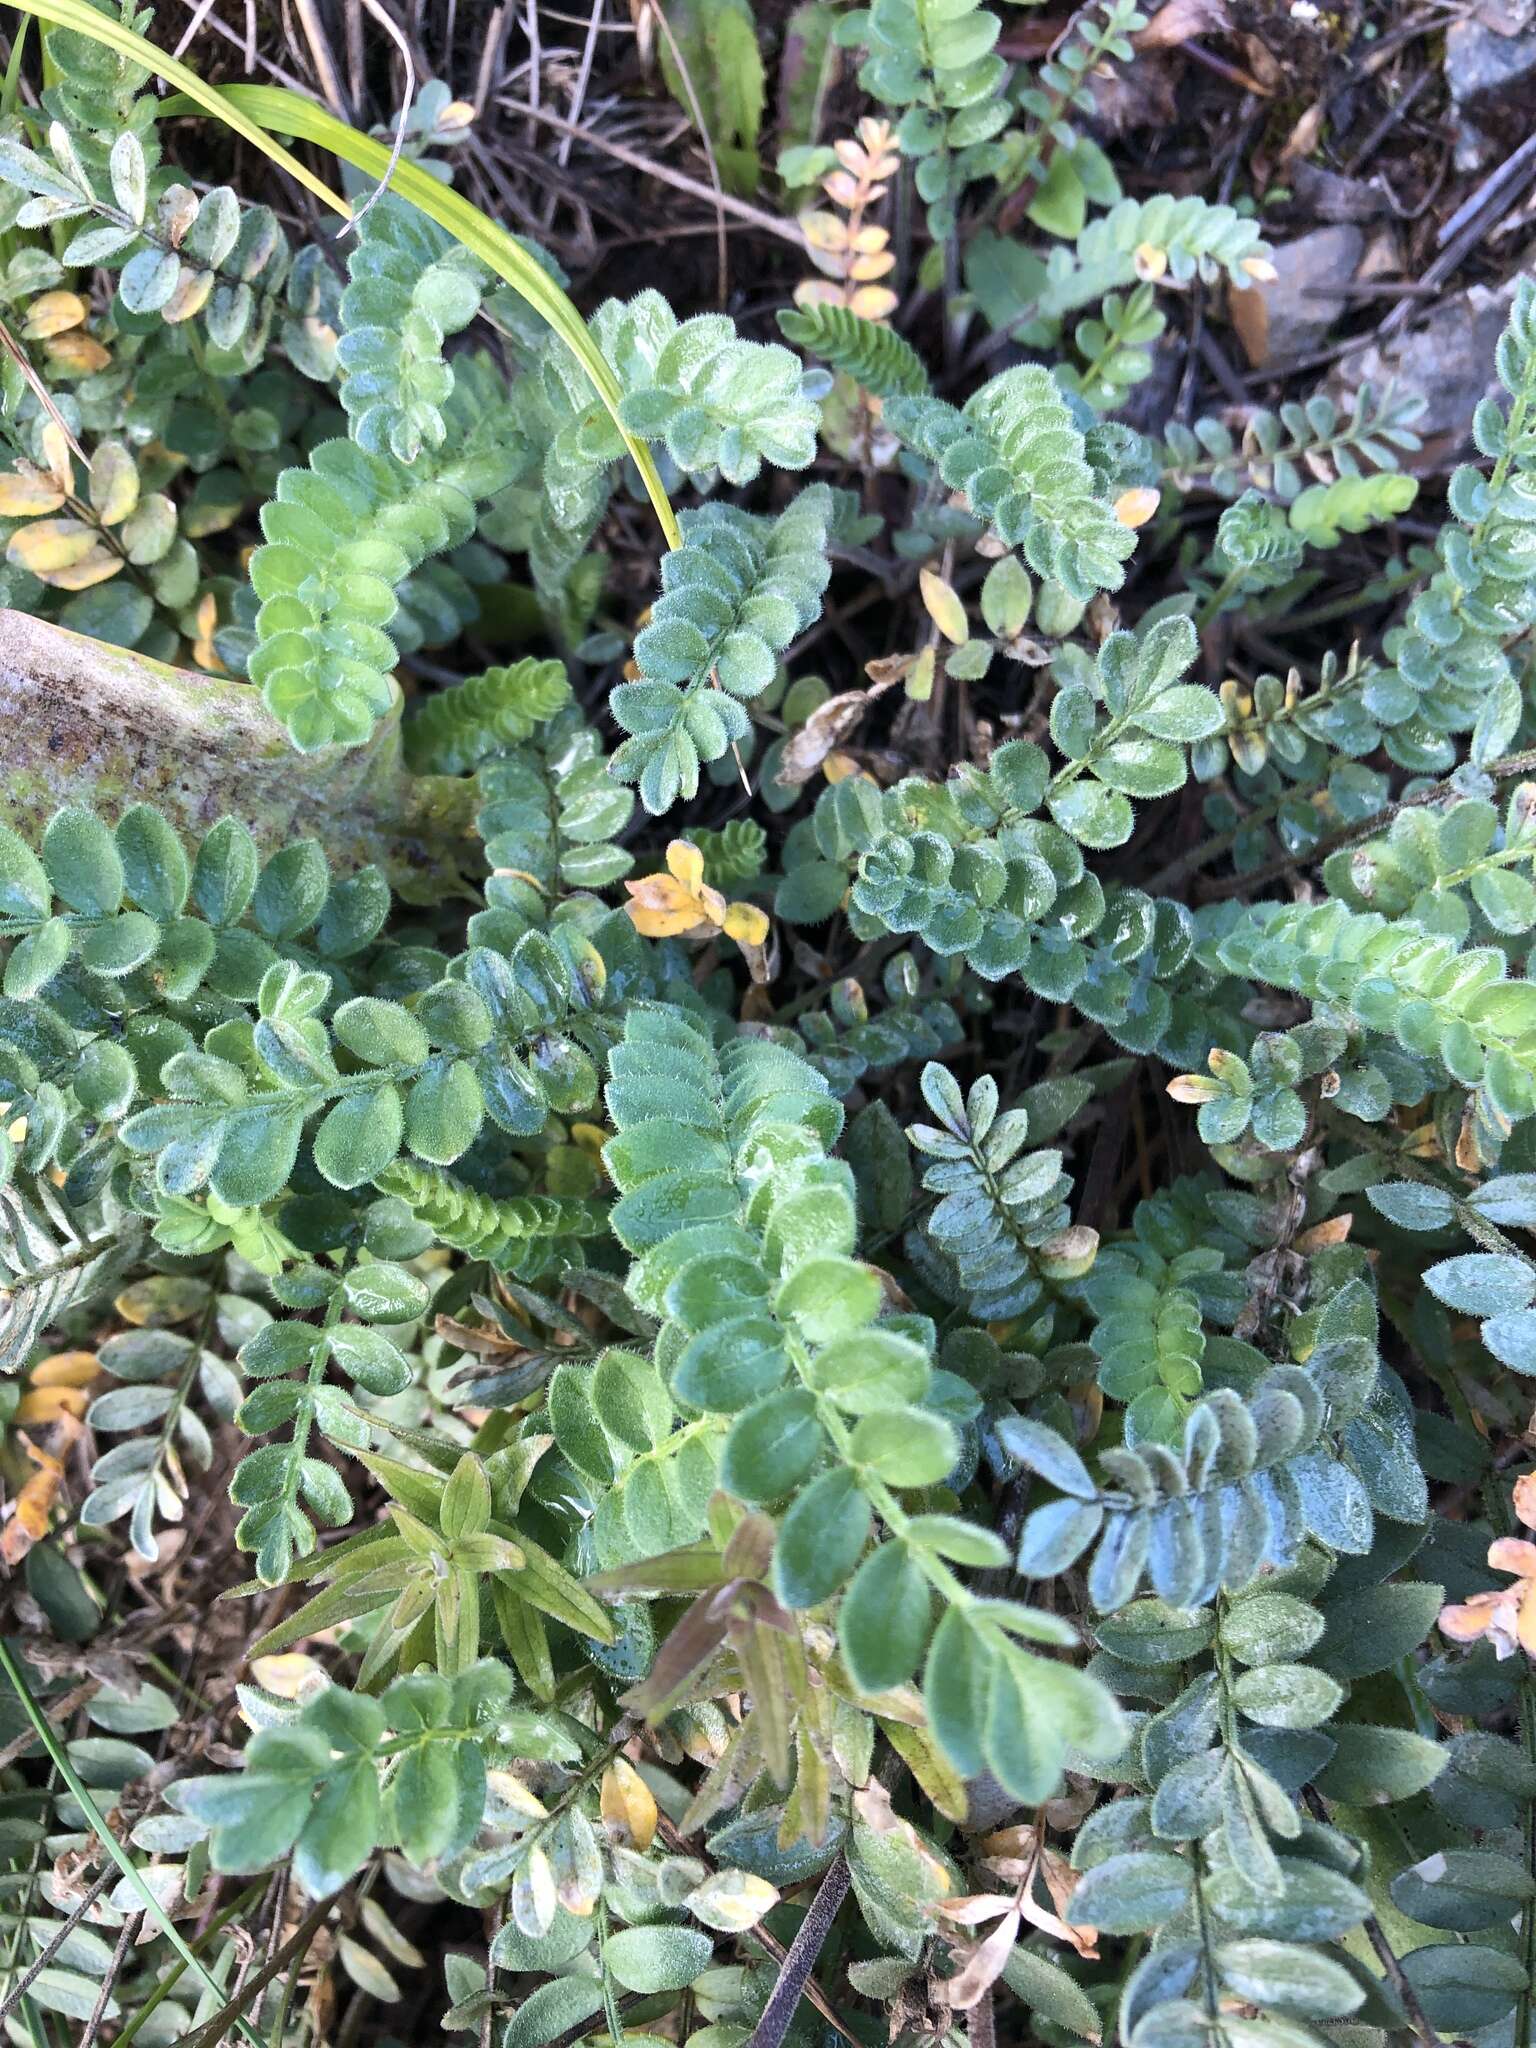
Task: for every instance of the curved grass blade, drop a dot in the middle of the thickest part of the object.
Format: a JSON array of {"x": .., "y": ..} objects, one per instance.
[{"x": 258, "y": 112}]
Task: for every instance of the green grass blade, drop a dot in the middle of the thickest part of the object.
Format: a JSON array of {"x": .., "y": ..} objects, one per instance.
[
  {"x": 257, "y": 112},
  {"x": 59, "y": 1757}
]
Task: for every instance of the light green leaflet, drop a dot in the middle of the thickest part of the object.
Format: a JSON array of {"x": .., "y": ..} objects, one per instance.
[{"x": 257, "y": 112}]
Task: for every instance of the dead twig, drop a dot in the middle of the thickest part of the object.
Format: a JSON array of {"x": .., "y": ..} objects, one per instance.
[
  {"x": 801, "y": 1957},
  {"x": 397, "y": 36},
  {"x": 785, "y": 231},
  {"x": 66, "y": 1928}
]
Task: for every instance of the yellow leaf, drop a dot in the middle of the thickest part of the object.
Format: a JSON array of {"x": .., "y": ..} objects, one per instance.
[
  {"x": 1150, "y": 261},
  {"x": 56, "y": 453},
  {"x": 1260, "y": 269},
  {"x": 53, "y": 313},
  {"x": 286, "y": 1674},
  {"x": 1193, "y": 1088},
  {"x": 943, "y": 606},
  {"x": 34, "y": 1503},
  {"x": 873, "y": 302},
  {"x": 114, "y": 483},
  {"x": 745, "y": 923},
  {"x": 51, "y": 544},
  {"x": 920, "y": 681},
  {"x": 1135, "y": 507},
  {"x": 193, "y": 291},
  {"x": 96, "y": 567},
  {"x": 877, "y": 264},
  {"x": 204, "y": 653},
  {"x": 65, "y": 1369},
  {"x": 686, "y": 864},
  {"x": 515, "y": 1796},
  {"x": 627, "y": 1806},
  {"x": 23, "y": 496},
  {"x": 47, "y": 1404},
  {"x": 79, "y": 353},
  {"x": 824, "y": 232},
  {"x": 660, "y": 908}
]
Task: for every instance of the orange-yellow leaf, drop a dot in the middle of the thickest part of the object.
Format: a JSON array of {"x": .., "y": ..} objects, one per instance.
[
  {"x": 943, "y": 606},
  {"x": 34, "y": 1503},
  {"x": 1193, "y": 1088},
  {"x": 23, "y": 495},
  {"x": 824, "y": 231},
  {"x": 661, "y": 908},
  {"x": 628, "y": 1806},
  {"x": 877, "y": 263},
  {"x": 745, "y": 923},
  {"x": 57, "y": 455},
  {"x": 51, "y": 544},
  {"x": 79, "y": 353},
  {"x": 193, "y": 291},
  {"x": 685, "y": 864},
  {"x": 1135, "y": 507},
  {"x": 114, "y": 483},
  {"x": 204, "y": 653},
  {"x": 65, "y": 1369},
  {"x": 287, "y": 1673},
  {"x": 48, "y": 1404},
  {"x": 96, "y": 567},
  {"x": 873, "y": 302},
  {"x": 53, "y": 313}
]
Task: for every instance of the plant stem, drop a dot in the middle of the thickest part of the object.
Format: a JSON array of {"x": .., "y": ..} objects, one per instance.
[{"x": 10, "y": 1666}]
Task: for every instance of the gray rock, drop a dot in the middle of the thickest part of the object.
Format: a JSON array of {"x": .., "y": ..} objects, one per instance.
[
  {"x": 1449, "y": 359},
  {"x": 1490, "y": 77},
  {"x": 1294, "y": 312}
]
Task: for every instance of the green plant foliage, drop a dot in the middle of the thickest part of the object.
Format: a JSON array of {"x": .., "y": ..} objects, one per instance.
[
  {"x": 874, "y": 1325},
  {"x": 1451, "y": 671},
  {"x": 342, "y": 534},
  {"x": 715, "y": 74},
  {"x": 1018, "y": 456},
  {"x": 1003, "y": 1217},
  {"x": 733, "y": 596},
  {"x": 879, "y": 358},
  {"x": 408, "y": 287},
  {"x": 487, "y": 714},
  {"x": 1277, "y": 451}
]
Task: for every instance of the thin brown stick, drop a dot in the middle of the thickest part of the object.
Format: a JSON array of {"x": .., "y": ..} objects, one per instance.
[
  {"x": 114, "y": 1971},
  {"x": 679, "y": 180},
  {"x": 212, "y": 2031},
  {"x": 56, "y": 1710},
  {"x": 398, "y": 37},
  {"x": 29, "y": 1977},
  {"x": 323, "y": 58}
]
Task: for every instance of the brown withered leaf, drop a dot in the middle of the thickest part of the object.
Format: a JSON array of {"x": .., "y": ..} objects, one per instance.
[
  {"x": 1178, "y": 20},
  {"x": 828, "y": 725},
  {"x": 478, "y": 1340},
  {"x": 982, "y": 1967}
]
